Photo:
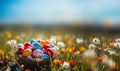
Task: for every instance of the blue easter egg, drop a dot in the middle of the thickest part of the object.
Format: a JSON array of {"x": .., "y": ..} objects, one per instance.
[
  {"x": 36, "y": 46},
  {"x": 52, "y": 45},
  {"x": 45, "y": 56},
  {"x": 32, "y": 41}
]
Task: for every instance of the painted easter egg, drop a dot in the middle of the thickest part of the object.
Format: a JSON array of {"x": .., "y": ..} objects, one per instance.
[
  {"x": 32, "y": 41},
  {"x": 37, "y": 53},
  {"x": 36, "y": 46},
  {"x": 50, "y": 51},
  {"x": 20, "y": 50},
  {"x": 45, "y": 56},
  {"x": 20, "y": 45},
  {"x": 27, "y": 52},
  {"x": 27, "y": 45}
]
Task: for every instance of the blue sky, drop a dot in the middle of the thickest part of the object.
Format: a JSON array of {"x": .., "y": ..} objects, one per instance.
[{"x": 59, "y": 10}]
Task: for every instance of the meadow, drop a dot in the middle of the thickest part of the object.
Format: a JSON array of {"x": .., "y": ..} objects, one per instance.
[{"x": 72, "y": 51}]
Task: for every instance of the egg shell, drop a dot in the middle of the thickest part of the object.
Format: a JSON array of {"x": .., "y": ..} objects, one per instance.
[
  {"x": 47, "y": 42},
  {"x": 27, "y": 52},
  {"x": 32, "y": 41},
  {"x": 42, "y": 43},
  {"x": 36, "y": 46},
  {"x": 45, "y": 56},
  {"x": 46, "y": 46},
  {"x": 50, "y": 51},
  {"x": 20, "y": 45},
  {"x": 20, "y": 50},
  {"x": 52, "y": 45},
  {"x": 27, "y": 45},
  {"x": 37, "y": 53}
]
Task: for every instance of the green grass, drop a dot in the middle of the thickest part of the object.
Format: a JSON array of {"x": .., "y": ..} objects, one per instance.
[{"x": 80, "y": 63}]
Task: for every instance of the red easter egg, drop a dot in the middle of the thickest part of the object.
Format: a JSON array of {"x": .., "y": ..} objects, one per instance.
[
  {"x": 20, "y": 50},
  {"x": 27, "y": 45},
  {"x": 46, "y": 46},
  {"x": 50, "y": 51}
]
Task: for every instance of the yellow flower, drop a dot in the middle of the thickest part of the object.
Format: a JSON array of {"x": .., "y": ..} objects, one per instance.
[
  {"x": 57, "y": 62},
  {"x": 70, "y": 42},
  {"x": 17, "y": 37},
  {"x": 68, "y": 50},
  {"x": 2, "y": 52},
  {"x": 82, "y": 49},
  {"x": 8, "y": 34},
  {"x": 111, "y": 44},
  {"x": 22, "y": 66},
  {"x": 114, "y": 65},
  {"x": 104, "y": 44}
]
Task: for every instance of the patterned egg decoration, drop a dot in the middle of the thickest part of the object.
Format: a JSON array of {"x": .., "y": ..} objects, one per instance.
[
  {"x": 42, "y": 43},
  {"x": 37, "y": 53},
  {"x": 52, "y": 45},
  {"x": 27, "y": 52},
  {"x": 20, "y": 45},
  {"x": 50, "y": 51},
  {"x": 32, "y": 41},
  {"x": 46, "y": 46},
  {"x": 20, "y": 50},
  {"x": 45, "y": 56},
  {"x": 36, "y": 46},
  {"x": 27, "y": 45},
  {"x": 47, "y": 42}
]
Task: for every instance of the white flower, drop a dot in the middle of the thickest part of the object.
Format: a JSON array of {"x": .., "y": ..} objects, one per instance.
[
  {"x": 56, "y": 48},
  {"x": 79, "y": 40},
  {"x": 117, "y": 40},
  {"x": 53, "y": 39},
  {"x": 60, "y": 44},
  {"x": 110, "y": 63},
  {"x": 62, "y": 49},
  {"x": 106, "y": 49},
  {"x": 77, "y": 52},
  {"x": 111, "y": 52},
  {"x": 105, "y": 59},
  {"x": 90, "y": 53},
  {"x": 92, "y": 46},
  {"x": 117, "y": 44},
  {"x": 65, "y": 65},
  {"x": 96, "y": 40},
  {"x": 12, "y": 43}
]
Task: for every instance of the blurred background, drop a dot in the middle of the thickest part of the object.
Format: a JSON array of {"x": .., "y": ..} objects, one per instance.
[{"x": 60, "y": 13}]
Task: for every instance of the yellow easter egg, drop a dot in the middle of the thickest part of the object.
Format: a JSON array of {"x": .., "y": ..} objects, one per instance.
[{"x": 27, "y": 52}]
